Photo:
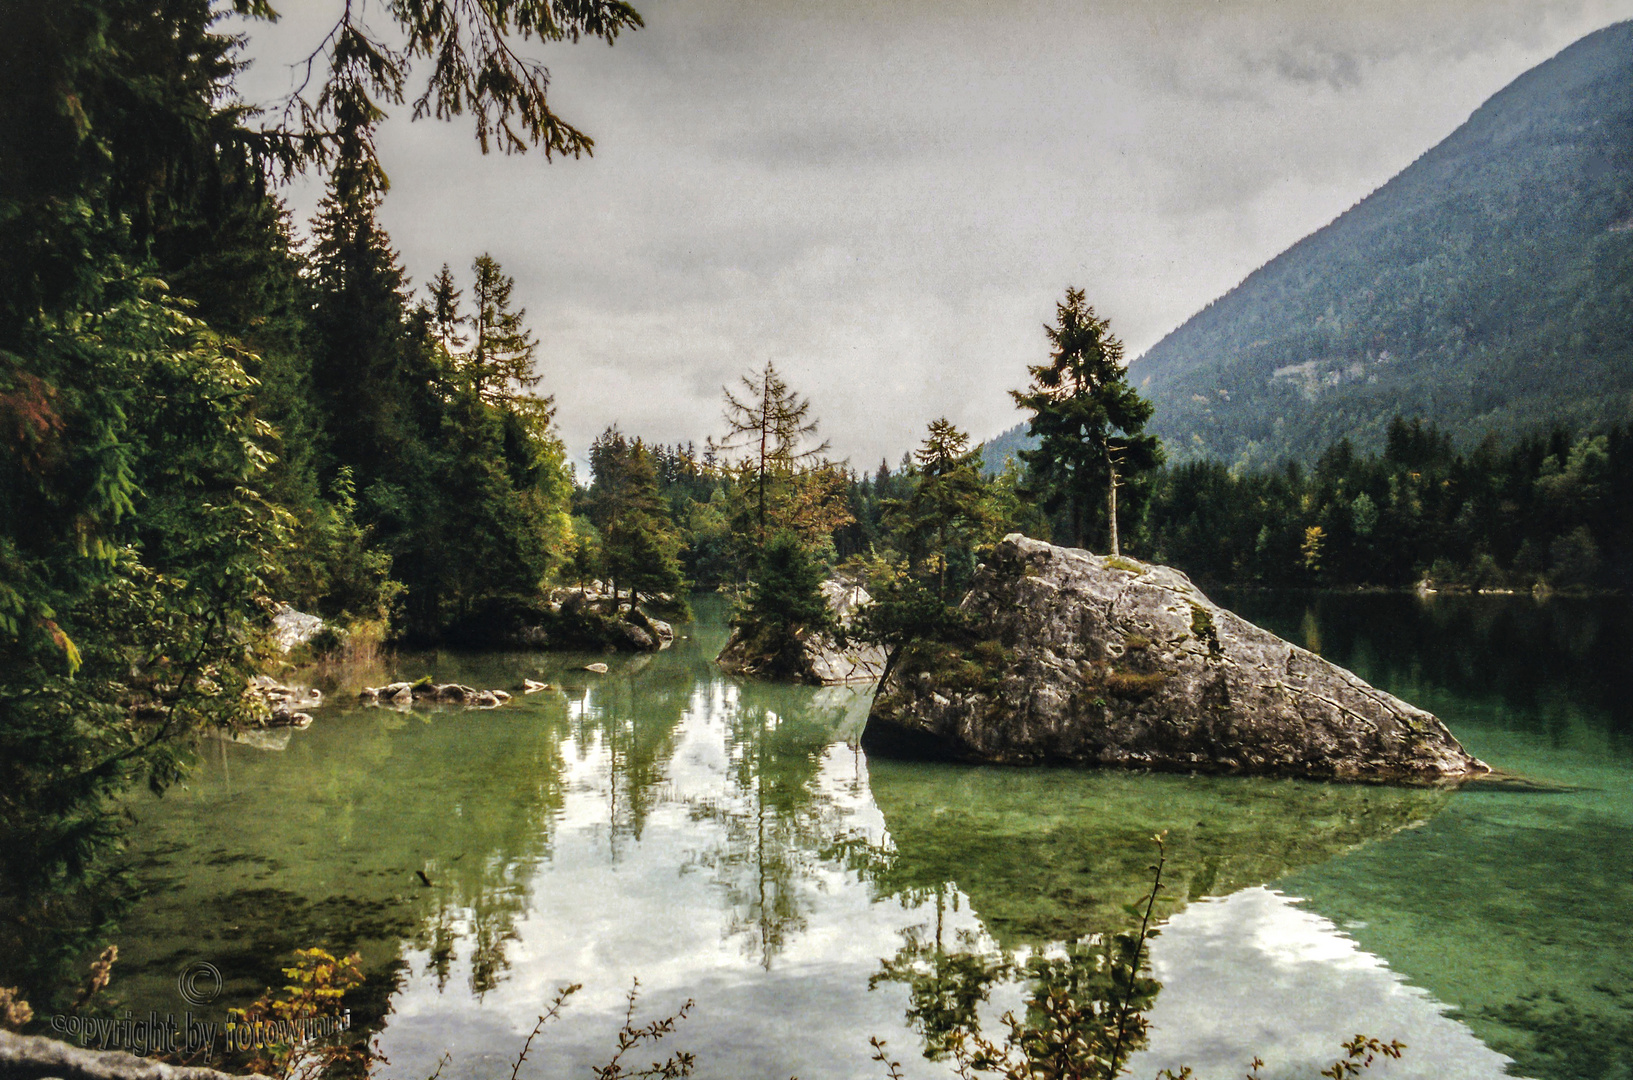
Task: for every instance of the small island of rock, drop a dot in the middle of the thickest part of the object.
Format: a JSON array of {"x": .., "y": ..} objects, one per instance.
[
  {"x": 819, "y": 659},
  {"x": 1106, "y": 660}
]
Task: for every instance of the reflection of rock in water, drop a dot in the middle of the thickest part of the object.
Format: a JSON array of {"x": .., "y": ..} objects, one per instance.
[
  {"x": 1049, "y": 856},
  {"x": 1053, "y": 860},
  {"x": 849, "y": 706},
  {"x": 270, "y": 739}
]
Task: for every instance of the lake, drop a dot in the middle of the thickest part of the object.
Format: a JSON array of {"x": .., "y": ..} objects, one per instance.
[{"x": 725, "y": 841}]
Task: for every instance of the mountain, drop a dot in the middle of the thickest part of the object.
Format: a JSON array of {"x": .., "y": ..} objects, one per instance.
[
  {"x": 997, "y": 451},
  {"x": 1488, "y": 288}
]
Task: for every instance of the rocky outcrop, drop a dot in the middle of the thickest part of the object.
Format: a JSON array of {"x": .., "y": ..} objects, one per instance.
[
  {"x": 291, "y": 628},
  {"x": 1109, "y": 661},
  {"x": 821, "y": 660},
  {"x": 592, "y": 617},
  {"x": 34, "y": 1057},
  {"x": 286, "y": 705}
]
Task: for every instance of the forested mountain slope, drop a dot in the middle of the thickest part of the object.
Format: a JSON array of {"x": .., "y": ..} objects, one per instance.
[{"x": 1487, "y": 288}]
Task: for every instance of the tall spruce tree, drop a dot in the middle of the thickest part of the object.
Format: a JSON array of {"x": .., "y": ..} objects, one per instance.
[
  {"x": 360, "y": 339},
  {"x": 943, "y": 515},
  {"x": 1089, "y": 420},
  {"x": 443, "y": 311},
  {"x": 500, "y": 361}
]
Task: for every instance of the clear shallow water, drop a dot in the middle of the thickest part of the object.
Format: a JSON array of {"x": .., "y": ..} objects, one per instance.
[
  {"x": 1517, "y": 908},
  {"x": 723, "y": 841}
]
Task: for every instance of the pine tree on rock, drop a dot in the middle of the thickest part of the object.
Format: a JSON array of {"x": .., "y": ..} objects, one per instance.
[
  {"x": 1088, "y": 418},
  {"x": 784, "y": 602}
]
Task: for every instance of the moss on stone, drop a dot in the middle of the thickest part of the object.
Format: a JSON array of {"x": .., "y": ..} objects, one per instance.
[
  {"x": 1202, "y": 628},
  {"x": 1134, "y": 683}
]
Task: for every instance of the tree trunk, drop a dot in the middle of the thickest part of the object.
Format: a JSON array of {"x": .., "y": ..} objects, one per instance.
[
  {"x": 941, "y": 589},
  {"x": 1111, "y": 508},
  {"x": 765, "y": 434}
]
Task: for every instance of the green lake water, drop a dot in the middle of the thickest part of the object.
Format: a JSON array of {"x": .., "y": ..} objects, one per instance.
[{"x": 724, "y": 840}]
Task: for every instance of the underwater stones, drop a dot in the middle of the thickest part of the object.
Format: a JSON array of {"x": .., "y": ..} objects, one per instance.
[{"x": 1109, "y": 661}]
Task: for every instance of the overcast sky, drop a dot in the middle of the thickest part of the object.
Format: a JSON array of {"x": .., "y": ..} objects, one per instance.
[{"x": 886, "y": 199}]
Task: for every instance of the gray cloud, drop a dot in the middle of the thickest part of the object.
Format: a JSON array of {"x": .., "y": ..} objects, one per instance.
[{"x": 887, "y": 200}]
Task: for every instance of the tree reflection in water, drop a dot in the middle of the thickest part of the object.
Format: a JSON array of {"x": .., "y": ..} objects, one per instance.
[
  {"x": 778, "y": 822},
  {"x": 1057, "y": 865}
]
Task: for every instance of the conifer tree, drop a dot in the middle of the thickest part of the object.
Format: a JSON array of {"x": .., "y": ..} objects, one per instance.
[
  {"x": 445, "y": 317},
  {"x": 639, "y": 544},
  {"x": 770, "y": 423},
  {"x": 500, "y": 363},
  {"x": 360, "y": 339},
  {"x": 1088, "y": 418},
  {"x": 785, "y": 601},
  {"x": 946, "y": 508}
]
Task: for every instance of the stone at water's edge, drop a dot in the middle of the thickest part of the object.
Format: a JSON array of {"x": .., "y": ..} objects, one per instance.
[
  {"x": 822, "y": 661},
  {"x": 1108, "y": 661}
]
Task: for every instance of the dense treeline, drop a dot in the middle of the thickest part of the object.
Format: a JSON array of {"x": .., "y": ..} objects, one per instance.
[
  {"x": 1554, "y": 511},
  {"x": 714, "y": 512}
]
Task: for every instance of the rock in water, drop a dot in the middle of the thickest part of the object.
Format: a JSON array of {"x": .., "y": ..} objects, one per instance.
[
  {"x": 821, "y": 660},
  {"x": 1095, "y": 660}
]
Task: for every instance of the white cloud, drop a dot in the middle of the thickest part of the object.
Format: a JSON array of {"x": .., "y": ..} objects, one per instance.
[{"x": 888, "y": 199}]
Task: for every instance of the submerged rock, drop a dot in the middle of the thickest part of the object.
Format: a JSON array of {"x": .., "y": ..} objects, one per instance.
[
  {"x": 1109, "y": 661},
  {"x": 821, "y": 660},
  {"x": 1045, "y": 859}
]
